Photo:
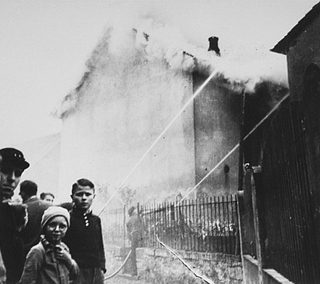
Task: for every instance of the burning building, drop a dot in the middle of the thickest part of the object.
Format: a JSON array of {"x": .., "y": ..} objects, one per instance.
[{"x": 135, "y": 86}]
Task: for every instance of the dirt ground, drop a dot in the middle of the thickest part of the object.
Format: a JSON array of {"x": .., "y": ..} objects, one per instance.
[
  {"x": 113, "y": 264},
  {"x": 122, "y": 279}
]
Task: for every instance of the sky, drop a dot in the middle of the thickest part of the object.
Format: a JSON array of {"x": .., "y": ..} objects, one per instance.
[{"x": 44, "y": 45}]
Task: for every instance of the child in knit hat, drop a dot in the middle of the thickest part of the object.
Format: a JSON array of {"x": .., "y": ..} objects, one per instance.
[{"x": 50, "y": 261}]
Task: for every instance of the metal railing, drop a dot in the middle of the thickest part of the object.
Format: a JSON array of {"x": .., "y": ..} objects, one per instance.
[
  {"x": 201, "y": 225},
  {"x": 114, "y": 227}
]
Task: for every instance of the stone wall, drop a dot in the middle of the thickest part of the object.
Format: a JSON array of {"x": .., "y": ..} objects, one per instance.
[{"x": 158, "y": 266}]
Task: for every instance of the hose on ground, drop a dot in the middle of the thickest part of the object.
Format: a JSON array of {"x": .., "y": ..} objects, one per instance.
[{"x": 118, "y": 270}]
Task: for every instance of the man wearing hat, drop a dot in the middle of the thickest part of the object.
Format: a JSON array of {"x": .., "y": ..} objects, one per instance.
[
  {"x": 13, "y": 217},
  {"x": 12, "y": 166}
]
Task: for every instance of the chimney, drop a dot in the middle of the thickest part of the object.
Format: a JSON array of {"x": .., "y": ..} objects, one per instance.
[{"x": 213, "y": 44}]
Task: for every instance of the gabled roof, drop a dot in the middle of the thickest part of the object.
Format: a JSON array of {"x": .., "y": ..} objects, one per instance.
[{"x": 283, "y": 45}]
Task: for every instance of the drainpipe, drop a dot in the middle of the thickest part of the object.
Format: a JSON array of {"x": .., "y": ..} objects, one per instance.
[
  {"x": 240, "y": 176},
  {"x": 124, "y": 226},
  {"x": 240, "y": 181}
]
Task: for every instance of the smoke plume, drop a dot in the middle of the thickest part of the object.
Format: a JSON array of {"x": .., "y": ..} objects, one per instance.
[
  {"x": 238, "y": 64},
  {"x": 242, "y": 64}
]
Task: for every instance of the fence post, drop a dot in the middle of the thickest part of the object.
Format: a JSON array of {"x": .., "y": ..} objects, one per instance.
[
  {"x": 257, "y": 225},
  {"x": 124, "y": 226}
]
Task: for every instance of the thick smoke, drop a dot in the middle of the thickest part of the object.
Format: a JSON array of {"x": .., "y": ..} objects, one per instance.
[
  {"x": 242, "y": 65},
  {"x": 238, "y": 64}
]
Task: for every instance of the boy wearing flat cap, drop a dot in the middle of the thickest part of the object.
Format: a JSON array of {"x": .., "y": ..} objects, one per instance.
[
  {"x": 13, "y": 217},
  {"x": 84, "y": 238}
]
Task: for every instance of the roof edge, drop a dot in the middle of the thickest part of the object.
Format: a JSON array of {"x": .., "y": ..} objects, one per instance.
[{"x": 284, "y": 45}]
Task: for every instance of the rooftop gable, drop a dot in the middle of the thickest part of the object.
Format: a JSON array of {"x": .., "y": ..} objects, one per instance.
[{"x": 283, "y": 45}]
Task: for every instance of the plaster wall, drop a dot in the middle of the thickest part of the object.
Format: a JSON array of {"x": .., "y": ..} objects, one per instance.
[
  {"x": 217, "y": 132},
  {"x": 121, "y": 108},
  {"x": 112, "y": 126}
]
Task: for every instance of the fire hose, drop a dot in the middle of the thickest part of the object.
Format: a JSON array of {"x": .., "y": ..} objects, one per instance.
[
  {"x": 195, "y": 273},
  {"x": 118, "y": 270},
  {"x": 164, "y": 245}
]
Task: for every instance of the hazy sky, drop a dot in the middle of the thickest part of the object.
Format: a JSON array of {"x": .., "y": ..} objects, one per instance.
[{"x": 44, "y": 45}]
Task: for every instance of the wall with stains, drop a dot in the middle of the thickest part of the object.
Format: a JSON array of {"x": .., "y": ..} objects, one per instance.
[
  {"x": 217, "y": 119},
  {"x": 116, "y": 114},
  {"x": 113, "y": 119}
]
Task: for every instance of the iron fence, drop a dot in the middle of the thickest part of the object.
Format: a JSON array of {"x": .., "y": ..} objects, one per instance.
[
  {"x": 201, "y": 225},
  {"x": 114, "y": 227}
]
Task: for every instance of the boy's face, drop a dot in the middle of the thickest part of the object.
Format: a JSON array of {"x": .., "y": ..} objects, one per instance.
[
  {"x": 83, "y": 197},
  {"x": 56, "y": 229},
  {"x": 48, "y": 198}
]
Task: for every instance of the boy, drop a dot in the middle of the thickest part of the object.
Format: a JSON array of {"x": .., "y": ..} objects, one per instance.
[
  {"x": 84, "y": 238},
  {"x": 47, "y": 196},
  {"x": 50, "y": 261}
]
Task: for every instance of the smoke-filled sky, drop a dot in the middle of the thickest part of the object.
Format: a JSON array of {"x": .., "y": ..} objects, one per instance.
[{"x": 45, "y": 44}]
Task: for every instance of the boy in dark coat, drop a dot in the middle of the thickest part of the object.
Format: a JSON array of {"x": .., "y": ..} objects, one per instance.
[{"x": 84, "y": 237}]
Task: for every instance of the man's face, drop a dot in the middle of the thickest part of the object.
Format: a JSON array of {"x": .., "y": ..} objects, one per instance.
[
  {"x": 23, "y": 195},
  {"x": 10, "y": 180},
  {"x": 83, "y": 197},
  {"x": 48, "y": 198}
]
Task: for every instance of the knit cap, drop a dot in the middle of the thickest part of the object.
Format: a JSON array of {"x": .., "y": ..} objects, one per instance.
[{"x": 54, "y": 211}]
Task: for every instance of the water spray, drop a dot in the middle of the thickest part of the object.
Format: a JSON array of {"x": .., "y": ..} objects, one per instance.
[
  {"x": 160, "y": 136},
  {"x": 234, "y": 148}
]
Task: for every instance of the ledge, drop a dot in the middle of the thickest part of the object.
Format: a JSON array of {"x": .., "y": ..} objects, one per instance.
[{"x": 190, "y": 255}]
